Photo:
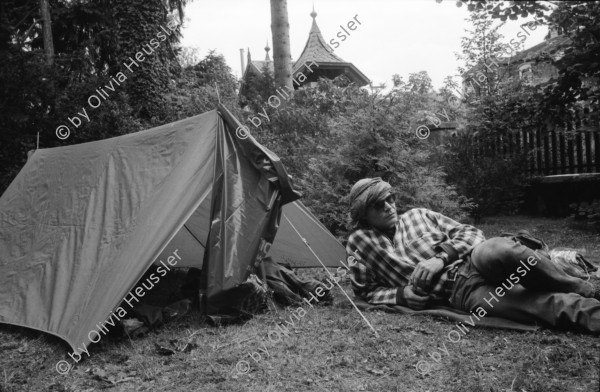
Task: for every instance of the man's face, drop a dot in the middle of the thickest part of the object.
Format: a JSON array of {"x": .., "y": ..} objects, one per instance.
[{"x": 382, "y": 215}]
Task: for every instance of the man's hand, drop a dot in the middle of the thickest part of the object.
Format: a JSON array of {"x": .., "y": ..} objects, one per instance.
[
  {"x": 424, "y": 273},
  {"x": 413, "y": 300}
]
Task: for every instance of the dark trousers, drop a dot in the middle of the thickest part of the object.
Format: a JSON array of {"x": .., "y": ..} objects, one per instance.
[{"x": 498, "y": 277}]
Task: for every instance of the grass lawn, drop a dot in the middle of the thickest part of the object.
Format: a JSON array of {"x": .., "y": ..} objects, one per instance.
[{"x": 329, "y": 349}]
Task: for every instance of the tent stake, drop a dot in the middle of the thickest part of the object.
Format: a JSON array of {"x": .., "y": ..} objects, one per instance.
[
  {"x": 217, "y": 88},
  {"x": 336, "y": 282}
]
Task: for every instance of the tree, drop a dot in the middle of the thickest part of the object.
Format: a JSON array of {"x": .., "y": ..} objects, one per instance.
[
  {"x": 481, "y": 50},
  {"x": 420, "y": 83},
  {"x": 18, "y": 21},
  {"x": 91, "y": 40},
  {"x": 47, "y": 29},
  {"x": 195, "y": 90},
  {"x": 579, "y": 69},
  {"x": 282, "y": 57},
  {"x": 138, "y": 22},
  {"x": 257, "y": 90}
]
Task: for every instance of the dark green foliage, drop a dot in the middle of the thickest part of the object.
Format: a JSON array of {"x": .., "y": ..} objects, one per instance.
[
  {"x": 139, "y": 22},
  {"x": 213, "y": 70},
  {"x": 579, "y": 69},
  {"x": 501, "y": 108},
  {"x": 36, "y": 98},
  {"x": 195, "y": 90},
  {"x": 477, "y": 161},
  {"x": 92, "y": 40},
  {"x": 17, "y": 22},
  {"x": 24, "y": 99},
  {"x": 330, "y": 136},
  {"x": 480, "y": 48},
  {"x": 496, "y": 184},
  {"x": 257, "y": 89},
  {"x": 112, "y": 118}
]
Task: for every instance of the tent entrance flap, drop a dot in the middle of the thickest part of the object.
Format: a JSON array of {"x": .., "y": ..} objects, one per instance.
[
  {"x": 190, "y": 240},
  {"x": 244, "y": 210}
]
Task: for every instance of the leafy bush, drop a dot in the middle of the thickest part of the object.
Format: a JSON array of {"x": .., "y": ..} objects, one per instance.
[
  {"x": 201, "y": 87},
  {"x": 478, "y": 161},
  {"x": 497, "y": 184},
  {"x": 331, "y": 136}
]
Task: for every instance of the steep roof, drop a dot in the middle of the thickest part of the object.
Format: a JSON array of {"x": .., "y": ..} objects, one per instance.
[
  {"x": 259, "y": 65},
  {"x": 316, "y": 49},
  {"x": 256, "y": 67},
  {"x": 319, "y": 52},
  {"x": 551, "y": 46}
]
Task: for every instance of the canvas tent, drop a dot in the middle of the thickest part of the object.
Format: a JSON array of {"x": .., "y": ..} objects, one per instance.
[{"x": 81, "y": 224}]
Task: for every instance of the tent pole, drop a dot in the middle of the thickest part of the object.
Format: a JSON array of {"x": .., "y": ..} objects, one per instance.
[
  {"x": 217, "y": 88},
  {"x": 336, "y": 281}
]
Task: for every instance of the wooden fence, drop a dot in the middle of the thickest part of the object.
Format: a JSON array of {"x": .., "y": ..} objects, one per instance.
[{"x": 550, "y": 152}]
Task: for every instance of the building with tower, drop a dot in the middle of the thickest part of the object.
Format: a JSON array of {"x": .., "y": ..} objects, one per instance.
[{"x": 325, "y": 63}]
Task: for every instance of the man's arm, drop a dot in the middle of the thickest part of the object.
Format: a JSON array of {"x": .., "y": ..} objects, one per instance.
[
  {"x": 379, "y": 275},
  {"x": 462, "y": 237},
  {"x": 365, "y": 286}
]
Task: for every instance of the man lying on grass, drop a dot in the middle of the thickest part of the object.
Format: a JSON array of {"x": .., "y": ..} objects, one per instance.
[{"x": 421, "y": 258}]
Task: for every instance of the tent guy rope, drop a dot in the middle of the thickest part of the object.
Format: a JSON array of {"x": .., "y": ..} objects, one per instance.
[{"x": 336, "y": 281}]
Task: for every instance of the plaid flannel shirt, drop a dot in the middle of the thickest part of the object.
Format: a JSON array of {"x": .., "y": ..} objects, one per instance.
[{"x": 384, "y": 267}]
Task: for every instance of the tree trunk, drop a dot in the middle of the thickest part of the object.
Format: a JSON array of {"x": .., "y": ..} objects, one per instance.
[
  {"x": 47, "y": 31},
  {"x": 282, "y": 58}
]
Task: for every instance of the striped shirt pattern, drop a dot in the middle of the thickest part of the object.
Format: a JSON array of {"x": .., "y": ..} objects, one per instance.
[{"x": 384, "y": 266}]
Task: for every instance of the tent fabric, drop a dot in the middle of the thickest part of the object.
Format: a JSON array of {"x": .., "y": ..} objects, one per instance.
[
  {"x": 80, "y": 224},
  {"x": 244, "y": 213},
  {"x": 289, "y": 247}
]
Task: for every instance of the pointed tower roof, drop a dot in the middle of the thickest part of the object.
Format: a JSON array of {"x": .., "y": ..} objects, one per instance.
[
  {"x": 316, "y": 61},
  {"x": 316, "y": 49},
  {"x": 267, "y": 58},
  {"x": 257, "y": 67}
]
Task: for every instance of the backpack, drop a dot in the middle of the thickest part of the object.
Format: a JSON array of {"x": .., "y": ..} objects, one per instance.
[
  {"x": 569, "y": 260},
  {"x": 524, "y": 238}
]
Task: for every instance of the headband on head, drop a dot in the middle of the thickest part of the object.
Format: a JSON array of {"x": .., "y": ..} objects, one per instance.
[{"x": 364, "y": 193}]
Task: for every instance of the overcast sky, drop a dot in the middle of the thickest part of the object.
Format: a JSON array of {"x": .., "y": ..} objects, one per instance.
[{"x": 394, "y": 37}]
